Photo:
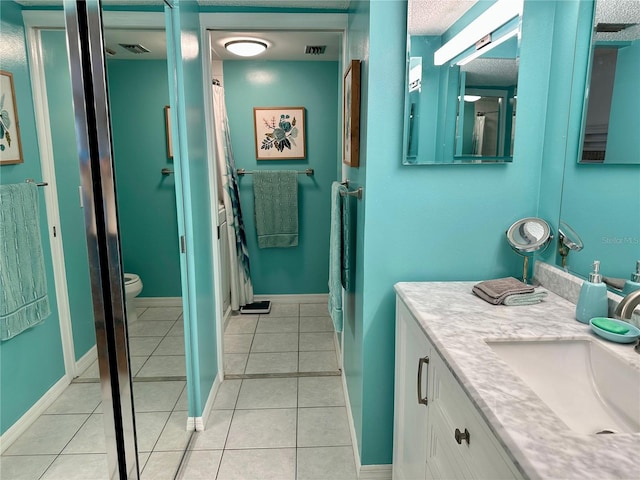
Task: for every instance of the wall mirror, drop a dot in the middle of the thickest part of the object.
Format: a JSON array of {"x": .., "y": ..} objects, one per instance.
[
  {"x": 600, "y": 202},
  {"x": 462, "y": 73},
  {"x": 485, "y": 120},
  {"x": 611, "y": 117}
]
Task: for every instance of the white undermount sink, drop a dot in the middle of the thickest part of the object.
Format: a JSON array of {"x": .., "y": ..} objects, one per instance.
[{"x": 588, "y": 387}]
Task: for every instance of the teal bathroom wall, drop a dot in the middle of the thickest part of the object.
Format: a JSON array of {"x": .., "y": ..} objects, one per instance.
[
  {"x": 186, "y": 93},
  {"x": 313, "y": 85},
  {"x": 552, "y": 91},
  {"x": 65, "y": 155},
  {"x": 30, "y": 363},
  {"x": 353, "y": 333},
  {"x": 415, "y": 214},
  {"x": 623, "y": 141},
  {"x": 138, "y": 93},
  {"x": 596, "y": 197}
]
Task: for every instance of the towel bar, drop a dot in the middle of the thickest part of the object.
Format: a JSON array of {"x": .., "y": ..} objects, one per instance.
[
  {"x": 166, "y": 171},
  {"x": 355, "y": 193},
  {"x": 308, "y": 172},
  {"x": 38, "y": 184}
]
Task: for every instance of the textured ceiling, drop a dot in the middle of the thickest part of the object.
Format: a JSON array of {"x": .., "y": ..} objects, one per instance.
[
  {"x": 319, "y": 4},
  {"x": 324, "y": 4},
  {"x": 497, "y": 72},
  {"x": 619, "y": 11},
  {"x": 434, "y": 17}
]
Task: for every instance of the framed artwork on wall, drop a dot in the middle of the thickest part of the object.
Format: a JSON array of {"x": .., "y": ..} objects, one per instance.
[
  {"x": 167, "y": 126},
  {"x": 10, "y": 146},
  {"x": 351, "y": 115},
  {"x": 279, "y": 133}
]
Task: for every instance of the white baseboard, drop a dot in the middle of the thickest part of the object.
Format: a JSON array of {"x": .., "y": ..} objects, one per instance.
[
  {"x": 31, "y": 415},
  {"x": 303, "y": 298},
  {"x": 158, "y": 302},
  {"x": 227, "y": 316},
  {"x": 365, "y": 472},
  {"x": 352, "y": 428},
  {"x": 191, "y": 423},
  {"x": 206, "y": 411},
  {"x": 374, "y": 472},
  {"x": 201, "y": 421},
  {"x": 86, "y": 360}
]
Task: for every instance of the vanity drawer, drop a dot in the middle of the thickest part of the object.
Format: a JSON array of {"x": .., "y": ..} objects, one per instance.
[
  {"x": 443, "y": 459},
  {"x": 482, "y": 455}
]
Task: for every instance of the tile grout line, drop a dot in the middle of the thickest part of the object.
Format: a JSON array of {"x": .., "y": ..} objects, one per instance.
[
  {"x": 58, "y": 455},
  {"x": 160, "y": 342},
  {"x": 233, "y": 414}
]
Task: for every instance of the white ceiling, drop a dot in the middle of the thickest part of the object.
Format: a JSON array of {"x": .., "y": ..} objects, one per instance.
[
  {"x": 153, "y": 40},
  {"x": 283, "y": 45},
  {"x": 497, "y": 72},
  {"x": 619, "y": 11},
  {"x": 425, "y": 17},
  {"x": 319, "y": 4},
  {"x": 434, "y": 17}
]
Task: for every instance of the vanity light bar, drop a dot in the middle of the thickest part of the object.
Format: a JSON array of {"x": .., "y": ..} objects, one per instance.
[
  {"x": 495, "y": 16},
  {"x": 492, "y": 45}
]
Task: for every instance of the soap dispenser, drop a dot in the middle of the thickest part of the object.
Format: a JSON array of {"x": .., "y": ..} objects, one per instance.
[
  {"x": 634, "y": 283},
  {"x": 593, "y": 297}
]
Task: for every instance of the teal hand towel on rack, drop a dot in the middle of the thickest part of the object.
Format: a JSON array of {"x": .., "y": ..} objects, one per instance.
[
  {"x": 336, "y": 250},
  {"x": 23, "y": 285},
  {"x": 276, "y": 208}
]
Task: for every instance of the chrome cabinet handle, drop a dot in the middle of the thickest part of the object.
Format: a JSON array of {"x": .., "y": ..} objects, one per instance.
[
  {"x": 421, "y": 362},
  {"x": 462, "y": 436}
]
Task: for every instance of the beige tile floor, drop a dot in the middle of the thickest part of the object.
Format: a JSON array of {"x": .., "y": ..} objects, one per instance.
[
  {"x": 292, "y": 339},
  {"x": 67, "y": 442},
  {"x": 156, "y": 346},
  {"x": 274, "y": 428},
  {"x": 260, "y": 428},
  {"x": 271, "y": 428}
]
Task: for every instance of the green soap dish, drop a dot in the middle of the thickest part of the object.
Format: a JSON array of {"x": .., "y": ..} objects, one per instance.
[
  {"x": 609, "y": 325},
  {"x": 630, "y": 332}
]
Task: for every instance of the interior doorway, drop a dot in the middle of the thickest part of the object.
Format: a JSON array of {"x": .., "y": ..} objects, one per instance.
[{"x": 299, "y": 67}]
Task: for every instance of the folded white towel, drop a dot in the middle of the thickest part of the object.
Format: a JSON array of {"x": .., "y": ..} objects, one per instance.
[{"x": 524, "y": 298}]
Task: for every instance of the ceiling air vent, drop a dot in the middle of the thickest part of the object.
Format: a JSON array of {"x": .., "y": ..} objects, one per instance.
[
  {"x": 134, "y": 48},
  {"x": 613, "y": 27},
  {"x": 110, "y": 51},
  {"x": 315, "y": 49}
]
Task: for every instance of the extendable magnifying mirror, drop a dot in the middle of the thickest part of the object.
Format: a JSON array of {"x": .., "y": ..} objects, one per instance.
[
  {"x": 528, "y": 236},
  {"x": 568, "y": 239}
]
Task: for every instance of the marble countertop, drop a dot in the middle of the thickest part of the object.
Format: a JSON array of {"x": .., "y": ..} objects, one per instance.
[{"x": 458, "y": 323}]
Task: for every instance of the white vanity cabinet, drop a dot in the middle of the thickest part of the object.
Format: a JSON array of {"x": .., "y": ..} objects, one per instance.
[
  {"x": 413, "y": 352},
  {"x": 438, "y": 433}
]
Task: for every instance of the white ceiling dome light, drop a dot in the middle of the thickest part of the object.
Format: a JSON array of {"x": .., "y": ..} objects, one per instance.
[{"x": 246, "y": 48}]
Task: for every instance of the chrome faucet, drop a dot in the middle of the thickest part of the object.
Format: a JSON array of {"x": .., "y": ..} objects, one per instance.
[{"x": 626, "y": 307}]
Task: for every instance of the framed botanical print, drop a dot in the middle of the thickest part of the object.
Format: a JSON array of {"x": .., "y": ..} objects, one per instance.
[
  {"x": 279, "y": 133},
  {"x": 167, "y": 126},
  {"x": 10, "y": 146},
  {"x": 351, "y": 115}
]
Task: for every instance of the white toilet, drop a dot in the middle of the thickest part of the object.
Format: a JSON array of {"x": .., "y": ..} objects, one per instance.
[{"x": 132, "y": 288}]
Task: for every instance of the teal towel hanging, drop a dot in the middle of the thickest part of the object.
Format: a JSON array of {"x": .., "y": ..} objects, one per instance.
[
  {"x": 23, "y": 286},
  {"x": 276, "y": 208},
  {"x": 336, "y": 256}
]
